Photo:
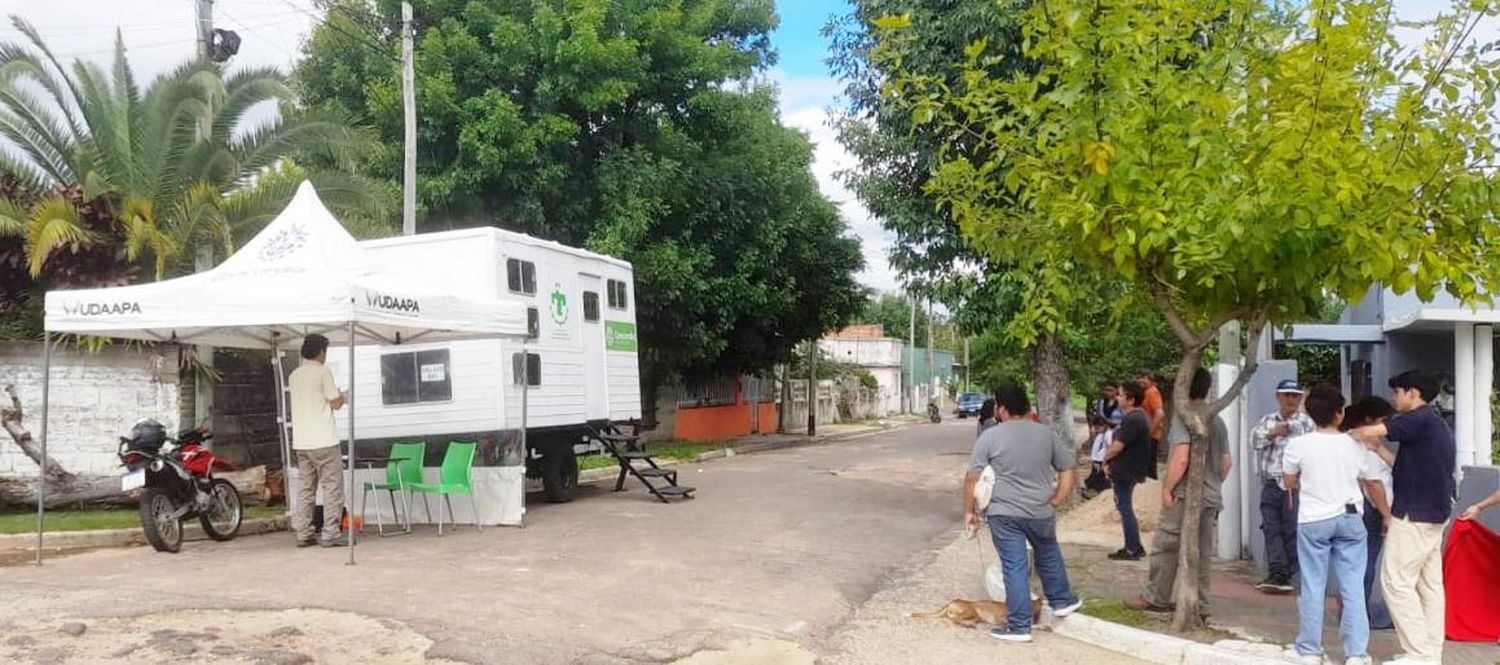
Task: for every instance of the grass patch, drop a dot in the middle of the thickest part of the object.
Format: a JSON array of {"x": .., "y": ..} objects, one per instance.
[
  {"x": 673, "y": 450},
  {"x": 1115, "y": 611},
  {"x": 98, "y": 518}
]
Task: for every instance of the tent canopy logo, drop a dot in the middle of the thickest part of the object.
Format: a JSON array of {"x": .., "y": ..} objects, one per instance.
[
  {"x": 285, "y": 242},
  {"x": 392, "y": 303},
  {"x": 101, "y": 308}
]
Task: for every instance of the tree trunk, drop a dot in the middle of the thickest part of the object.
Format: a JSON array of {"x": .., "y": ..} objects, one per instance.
[
  {"x": 63, "y": 487},
  {"x": 1189, "y": 614},
  {"x": 1049, "y": 376},
  {"x": 70, "y": 491}
]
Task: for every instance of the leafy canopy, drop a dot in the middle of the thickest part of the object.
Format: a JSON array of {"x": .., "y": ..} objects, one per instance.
[
  {"x": 632, "y": 127},
  {"x": 1235, "y": 159}
]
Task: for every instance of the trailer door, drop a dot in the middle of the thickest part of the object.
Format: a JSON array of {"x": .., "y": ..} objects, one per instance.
[{"x": 595, "y": 373}]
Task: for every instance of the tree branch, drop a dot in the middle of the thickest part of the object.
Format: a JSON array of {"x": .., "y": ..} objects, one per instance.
[
  {"x": 1252, "y": 362},
  {"x": 11, "y": 420}
]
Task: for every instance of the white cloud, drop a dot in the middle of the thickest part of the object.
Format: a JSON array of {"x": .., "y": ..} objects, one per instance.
[{"x": 805, "y": 103}]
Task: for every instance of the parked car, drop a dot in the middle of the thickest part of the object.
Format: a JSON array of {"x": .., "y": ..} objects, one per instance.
[{"x": 968, "y": 404}]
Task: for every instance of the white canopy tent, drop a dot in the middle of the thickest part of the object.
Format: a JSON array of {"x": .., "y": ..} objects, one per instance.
[{"x": 302, "y": 274}]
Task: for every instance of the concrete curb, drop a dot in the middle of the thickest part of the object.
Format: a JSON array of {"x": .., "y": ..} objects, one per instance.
[
  {"x": 74, "y": 540},
  {"x": 1155, "y": 647},
  {"x": 610, "y": 473}
]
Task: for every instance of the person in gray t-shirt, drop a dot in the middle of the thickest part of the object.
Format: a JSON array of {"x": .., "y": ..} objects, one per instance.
[
  {"x": 1034, "y": 472},
  {"x": 1162, "y": 577}
]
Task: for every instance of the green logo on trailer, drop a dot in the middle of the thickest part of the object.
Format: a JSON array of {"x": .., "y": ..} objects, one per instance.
[
  {"x": 559, "y": 305},
  {"x": 619, "y": 336}
]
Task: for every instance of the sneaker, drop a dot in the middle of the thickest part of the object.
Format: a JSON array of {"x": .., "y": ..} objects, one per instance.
[
  {"x": 1008, "y": 635},
  {"x": 1275, "y": 584},
  {"x": 341, "y": 540},
  {"x": 1293, "y": 656},
  {"x": 1283, "y": 585},
  {"x": 1065, "y": 610},
  {"x": 1358, "y": 660},
  {"x": 1140, "y": 604},
  {"x": 1123, "y": 554},
  {"x": 306, "y": 542}
]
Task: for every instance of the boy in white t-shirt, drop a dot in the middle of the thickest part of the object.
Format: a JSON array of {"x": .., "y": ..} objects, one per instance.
[{"x": 1324, "y": 469}]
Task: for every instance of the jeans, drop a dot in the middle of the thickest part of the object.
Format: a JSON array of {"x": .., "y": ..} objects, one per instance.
[
  {"x": 1380, "y": 615},
  {"x": 1278, "y": 521},
  {"x": 1011, "y": 534},
  {"x": 1335, "y": 546},
  {"x": 1124, "y": 497}
]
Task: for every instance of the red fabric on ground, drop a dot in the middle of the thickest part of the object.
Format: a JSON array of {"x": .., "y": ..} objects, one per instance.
[{"x": 1471, "y": 579}]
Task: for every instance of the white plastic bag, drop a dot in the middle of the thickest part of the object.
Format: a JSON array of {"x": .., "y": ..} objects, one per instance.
[
  {"x": 994, "y": 582},
  {"x": 984, "y": 489}
]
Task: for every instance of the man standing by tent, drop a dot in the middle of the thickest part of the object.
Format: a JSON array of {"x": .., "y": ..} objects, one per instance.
[{"x": 314, "y": 398}]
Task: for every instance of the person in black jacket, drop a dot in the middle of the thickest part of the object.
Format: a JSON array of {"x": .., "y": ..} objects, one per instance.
[{"x": 1129, "y": 462}]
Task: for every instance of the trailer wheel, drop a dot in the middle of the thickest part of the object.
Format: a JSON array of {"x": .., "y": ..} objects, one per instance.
[{"x": 560, "y": 474}]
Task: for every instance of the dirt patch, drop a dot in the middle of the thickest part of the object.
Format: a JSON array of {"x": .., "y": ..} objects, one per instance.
[
  {"x": 1096, "y": 522},
  {"x": 286, "y": 637}
]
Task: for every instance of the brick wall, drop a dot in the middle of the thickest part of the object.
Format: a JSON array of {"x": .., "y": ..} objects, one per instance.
[{"x": 96, "y": 397}]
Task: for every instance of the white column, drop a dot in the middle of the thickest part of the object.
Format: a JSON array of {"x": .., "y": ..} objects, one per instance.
[
  {"x": 1484, "y": 388},
  {"x": 1464, "y": 414}
]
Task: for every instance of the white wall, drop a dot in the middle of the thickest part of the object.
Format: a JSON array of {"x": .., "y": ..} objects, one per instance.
[{"x": 95, "y": 399}]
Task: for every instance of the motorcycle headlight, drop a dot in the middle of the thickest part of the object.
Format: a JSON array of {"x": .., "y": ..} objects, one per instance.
[{"x": 156, "y": 465}]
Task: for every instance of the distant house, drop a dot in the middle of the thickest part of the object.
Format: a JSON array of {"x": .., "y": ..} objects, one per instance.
[{"x": 894, "y": 366}]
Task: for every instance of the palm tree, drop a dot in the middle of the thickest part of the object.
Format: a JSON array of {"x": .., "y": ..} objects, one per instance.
[{"x": 178, "y": 165}]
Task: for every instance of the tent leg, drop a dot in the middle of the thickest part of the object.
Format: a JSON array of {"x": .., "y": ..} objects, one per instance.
[
  {"x": 41, "y": 476},
  {"x": 281, "y": 419},
  {"x": 349, "y": 465}
]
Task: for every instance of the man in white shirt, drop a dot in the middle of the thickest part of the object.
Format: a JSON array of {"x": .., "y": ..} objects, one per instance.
[
  {"x": 314, "y": 398},
  {"x": 1324, "y": 469}
]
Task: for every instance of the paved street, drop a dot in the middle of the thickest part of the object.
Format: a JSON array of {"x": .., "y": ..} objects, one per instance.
[{"x": 779, "y": 553}]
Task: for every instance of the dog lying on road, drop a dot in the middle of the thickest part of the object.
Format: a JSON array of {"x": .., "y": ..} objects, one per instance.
[{"x": 966, "y": 613}]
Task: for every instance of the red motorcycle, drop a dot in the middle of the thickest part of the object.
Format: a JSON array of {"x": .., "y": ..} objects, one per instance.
[{"x": 173, "y": 478}]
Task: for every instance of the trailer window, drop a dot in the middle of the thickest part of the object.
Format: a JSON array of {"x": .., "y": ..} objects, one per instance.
[
  {"x": 533, "y": 323},
  {"x": 520, "y": 276},
  {"x": 527, "y": 366},
  {"x": 410, "y": 378},
  {"x": 590, "y": 306},
  {"x": 617, "y": 295}
]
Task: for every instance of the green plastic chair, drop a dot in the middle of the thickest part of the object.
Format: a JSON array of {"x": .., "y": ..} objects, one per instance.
[
  {"x": 456, "y": 478},
  {"x": 402, "y": 472}
]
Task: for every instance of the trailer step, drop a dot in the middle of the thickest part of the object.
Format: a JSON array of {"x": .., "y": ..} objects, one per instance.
[
  {"x": 628, "y": 452},
  {"x": 670, "y": 474}
]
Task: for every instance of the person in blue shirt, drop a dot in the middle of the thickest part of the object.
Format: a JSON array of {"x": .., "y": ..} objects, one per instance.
[{"x": 1411, "y": 577}]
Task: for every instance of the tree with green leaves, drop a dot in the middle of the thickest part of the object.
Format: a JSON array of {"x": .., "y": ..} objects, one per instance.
[
  {"x": 177, "y": 164},
  {"x": 632, "y": 127},
  {"x": 1098, "y": 325},
  {"x": 1233, "y": 160}
]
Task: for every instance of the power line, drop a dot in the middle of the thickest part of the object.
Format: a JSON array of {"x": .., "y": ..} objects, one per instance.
[{"x": 366, "y": 41}]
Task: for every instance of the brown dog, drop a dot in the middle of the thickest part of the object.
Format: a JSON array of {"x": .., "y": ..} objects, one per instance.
[{"x": 966, "y": 613}]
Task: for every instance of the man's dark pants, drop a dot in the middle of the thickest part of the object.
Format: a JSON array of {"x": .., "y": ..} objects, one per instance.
[
  {"x": 1124, "y": 485},
  {"x": 1278, "y": 521}
]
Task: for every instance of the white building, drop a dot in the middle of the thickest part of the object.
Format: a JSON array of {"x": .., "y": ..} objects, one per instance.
[{"x": 869, "y": 348}]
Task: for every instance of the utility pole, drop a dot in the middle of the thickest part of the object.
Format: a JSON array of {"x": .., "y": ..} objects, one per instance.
[
  {"x": 967, "y": 369},
  {"x": 812, "y": 388},
  {"x": 204, "y": 21},
  {"x": 932, "y": 381},
  {"x": 409, "y": 107},
  {"x": 203, "y": 257},
  {"x": 911, "y": 356}
]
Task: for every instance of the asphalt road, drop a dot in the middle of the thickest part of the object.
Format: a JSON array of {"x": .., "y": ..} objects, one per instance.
[{"x": 785, "y": 545}]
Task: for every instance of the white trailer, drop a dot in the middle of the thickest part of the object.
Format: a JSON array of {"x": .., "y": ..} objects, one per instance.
[{"x": 579, "y": 364}]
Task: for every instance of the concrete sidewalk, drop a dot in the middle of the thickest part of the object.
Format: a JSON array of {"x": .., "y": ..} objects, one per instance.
[{"x": 1239, "y": 611}]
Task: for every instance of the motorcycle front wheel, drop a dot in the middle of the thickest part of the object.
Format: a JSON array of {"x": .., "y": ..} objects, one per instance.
[
  {"x": 162, "y": 529},
  {"x": 222, "y": 519}
]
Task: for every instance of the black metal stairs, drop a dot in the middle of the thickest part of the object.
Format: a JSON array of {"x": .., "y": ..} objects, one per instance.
[{"x": 628, "y": 450}]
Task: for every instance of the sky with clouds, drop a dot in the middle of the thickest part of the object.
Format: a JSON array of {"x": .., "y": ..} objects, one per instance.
[{"x": 160, "y": 33}]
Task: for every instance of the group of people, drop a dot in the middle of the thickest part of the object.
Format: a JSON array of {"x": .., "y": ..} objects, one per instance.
[{"x": 1350, "y": 494}]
